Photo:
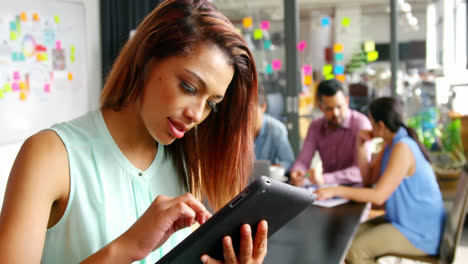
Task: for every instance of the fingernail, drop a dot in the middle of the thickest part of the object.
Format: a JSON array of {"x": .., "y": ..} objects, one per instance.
[{"x": 204, "y": 258}]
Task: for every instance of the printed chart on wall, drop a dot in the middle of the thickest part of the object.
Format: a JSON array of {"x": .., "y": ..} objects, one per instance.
[{"x": 42, "y": 66}]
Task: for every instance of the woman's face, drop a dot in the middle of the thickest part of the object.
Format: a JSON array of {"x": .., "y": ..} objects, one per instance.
[
  {"x": 180, "y": 91},
  {"x": 377, "y": 127}
]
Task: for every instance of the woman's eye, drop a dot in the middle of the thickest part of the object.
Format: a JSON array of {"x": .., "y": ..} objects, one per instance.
[
  {"x": 188, "y": 88},
  {"x": 212, "y": 105}
]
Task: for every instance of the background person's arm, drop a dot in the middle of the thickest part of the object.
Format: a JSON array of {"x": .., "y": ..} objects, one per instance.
[{"x": 302, "y": 164}]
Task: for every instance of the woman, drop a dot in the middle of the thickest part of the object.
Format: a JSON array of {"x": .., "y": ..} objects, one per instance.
[
  {"x": 176, "y": 116},
  {"x": 404, "y": 182}
]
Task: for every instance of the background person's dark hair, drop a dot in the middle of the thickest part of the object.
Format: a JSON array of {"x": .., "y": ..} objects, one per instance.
[
  {"x": 261, "y": 97},
  {"x": 329, "y": 88},
  {"x": 389, "y": 111}
]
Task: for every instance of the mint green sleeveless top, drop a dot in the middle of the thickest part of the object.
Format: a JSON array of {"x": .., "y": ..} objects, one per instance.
[{"x": 107, "y": 193}]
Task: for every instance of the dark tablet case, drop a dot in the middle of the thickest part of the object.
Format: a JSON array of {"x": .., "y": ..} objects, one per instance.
[{"x": 263, "y": 199}]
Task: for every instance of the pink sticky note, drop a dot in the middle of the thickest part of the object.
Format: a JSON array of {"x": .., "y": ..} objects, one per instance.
[
  {"x": 47, "y": 88},
  {"x": 307, "y": 69},
  {"x": 16, "y": 76},
  {"x": 301, "y": 45},
  {"x": 58, "y": 44},
  {"x": 15, "y": 86},
  {"x": 276, "y": 64},
  {"x": 265, "y": 25}
]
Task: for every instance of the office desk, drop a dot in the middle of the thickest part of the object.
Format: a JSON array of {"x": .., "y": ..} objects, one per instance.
[{"x": 318, "y": 235}]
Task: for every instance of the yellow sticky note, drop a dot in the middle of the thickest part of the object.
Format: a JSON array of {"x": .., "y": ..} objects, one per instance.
[
  {"x": 72, "y": 49},
  {"x": 70, "y": 76},
  {"x": 341, "y": 77},
  {"x": 329, "y": 76},
  {"x": 1, "y": 94},
  {"x": 36, "y": 17},
  {"x": 369, "y": 46},
  {"x": 258, "y": 34},
  {"x": 327, "y": 69},
  {"x": 72, "y": 58},
  {"x": 13, "y": 35},
  {"x": 345, "y": 21},
  {"x": 57, "y": 19},
  {"x": 372, "y": 56},
  {"x": 338, "y": 48},
  {"x": 7, "y": 87},
  {"x": 247, "y": 22},
  {"x": 307, "y": 80},
  {"x": 23, "y": 96},
  {"x": 22, "y": 86},
  {"x": 23, "y": 16}
]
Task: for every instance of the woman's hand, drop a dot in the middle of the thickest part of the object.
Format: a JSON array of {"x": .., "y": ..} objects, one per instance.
[
  {"x": 297, "y": 178},
  {"x": 250, "y": 252},
  {"x": 164, "y": 217},
  {"x": 363, "y": 136},
  {"x": 327, "y": 193}
]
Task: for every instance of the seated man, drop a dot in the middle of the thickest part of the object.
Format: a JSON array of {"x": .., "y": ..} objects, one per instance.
[
  {"x": 334, "y": 136},
  {"x": 271, "y": 137}
]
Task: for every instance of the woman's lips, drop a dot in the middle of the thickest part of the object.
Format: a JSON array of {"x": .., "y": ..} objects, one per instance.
[{"x": 175, "y": 131}]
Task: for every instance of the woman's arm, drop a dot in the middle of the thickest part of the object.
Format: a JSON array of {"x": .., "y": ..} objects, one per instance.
[
  {"x": 401, "y": 162},
  {"x": 37, "y": 184}
]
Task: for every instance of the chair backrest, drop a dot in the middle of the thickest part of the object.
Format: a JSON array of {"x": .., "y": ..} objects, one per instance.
[{"x": 455, "y": 220}]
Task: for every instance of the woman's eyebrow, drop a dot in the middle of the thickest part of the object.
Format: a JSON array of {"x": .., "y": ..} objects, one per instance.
[{"x": 201, "y": 81}]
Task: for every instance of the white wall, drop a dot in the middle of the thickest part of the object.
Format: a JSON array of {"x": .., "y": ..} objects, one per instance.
[{"x": 93, "y": 26}]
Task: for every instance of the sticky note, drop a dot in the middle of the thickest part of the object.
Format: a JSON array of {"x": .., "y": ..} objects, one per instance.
[
  {"x": 22, "y": 86},
  {"x": 41, "y": 56},
  {"x": 341, "y": 77},
  {"x": 247, "y": 22},
  {"x": 307, "y": 80},
  {"x": 16, "y": 76},
  {"x": 345, "y": 21},
  {"x": 327, "y": 69},
  {"x": 7, "y": 87},
  {"x": 1, "y": 94},
  {"x": 338, "y": 48},
  {"x": 325, "y": 21},
  {"x": 372, "y": 56},
  {"x": 265, "y": 25},
  {"x": 57, "y": 19},
  {"x": 72, "y": 49},
  {"x": 239, "y": 30},
  {"x": 15, "y": 87},
  {"x": 58, "y": 44},
  {"x": 257, "y": 34},
  {"x": 47, "y": 88},
  {"x": 339, "y": 69},
  {"x": 72, "y": 58},
  {"x": 15, "y": 56},
  {"x": 70, "y": 76},
  {"x": 301, "y": 45},
  {"x": 329, "y": 76},
  {"x": 307, "y": 69},
  {"x": 13, "y": 35},
  {"x": 23, "y": 96},
  {"x": 339, "y": 56},
  {"x": 13, "y": 26},
  {"x": 267, "y": 44},
  {"x": 269, "y": 69},
  {"x": 369, "y": 46},
  {"x": 23, "y": 16},
  {"x": 276, "y": 64},
  {"x": 41, "y": 48},
  {"x": 21, "y": 56},
  {"x": 36, "y": 17}
]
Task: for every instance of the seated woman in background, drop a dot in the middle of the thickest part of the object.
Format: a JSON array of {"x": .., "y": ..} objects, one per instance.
[
  {"x": 404, "y": 182},
  {"x": 175, "y": 126}
]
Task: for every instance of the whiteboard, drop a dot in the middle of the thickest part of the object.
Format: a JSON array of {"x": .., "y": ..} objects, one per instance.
[{"x": 42, "y": 66}]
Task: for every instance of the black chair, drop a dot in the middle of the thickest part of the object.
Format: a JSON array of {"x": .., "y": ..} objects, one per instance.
[{"x": 453, "y": 227}]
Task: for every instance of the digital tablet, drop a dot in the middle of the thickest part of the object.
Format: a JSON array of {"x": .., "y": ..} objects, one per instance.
[{"x": 264, "y": 199}]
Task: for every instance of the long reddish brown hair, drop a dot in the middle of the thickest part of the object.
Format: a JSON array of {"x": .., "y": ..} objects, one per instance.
[{"x": 214, "y": 159}]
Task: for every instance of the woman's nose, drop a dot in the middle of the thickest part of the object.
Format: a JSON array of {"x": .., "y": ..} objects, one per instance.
[{"x": 195, "y": 112}]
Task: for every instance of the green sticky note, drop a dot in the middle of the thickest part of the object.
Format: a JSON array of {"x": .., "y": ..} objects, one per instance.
[
  {"x": 269, "y": 69},
  {"x": 57, "y": 19},
  {"x": 267, "y": 44},
  {"x": 369, "y": 46},
  {"x": 7, "y": 87},
  {"x": 72, "y": 49},
  {"x": 345, "y": 21},
  {"x": 372, "y": 56},
  {"x": 13, "y": 35},
  {"x": 72, "y": 58},
  {"x": 1, "y": 94},
  {"x": 329, "y": 76},
  {"x": 258, "y": 34},
  {"x": 327, "y": 69}
]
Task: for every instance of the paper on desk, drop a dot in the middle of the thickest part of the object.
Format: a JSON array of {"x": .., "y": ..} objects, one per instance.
[{"x": 328, "y": 202}]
